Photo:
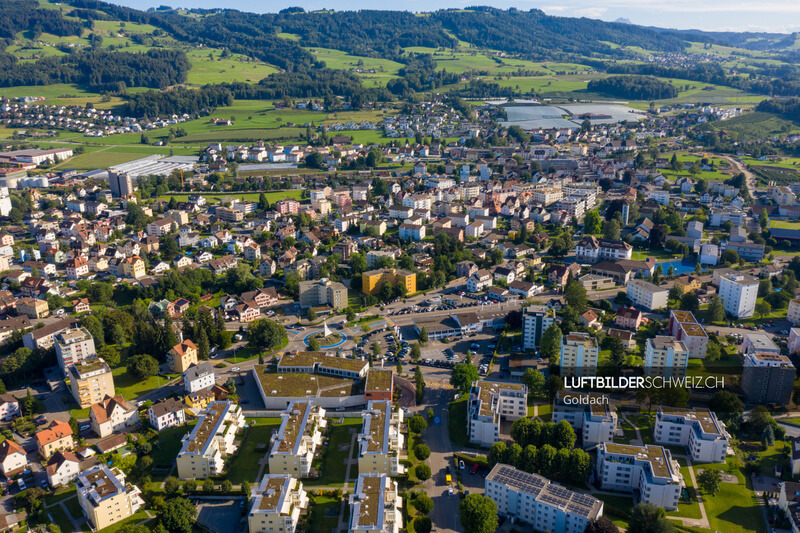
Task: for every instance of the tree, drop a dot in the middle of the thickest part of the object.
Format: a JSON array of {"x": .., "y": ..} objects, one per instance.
[
  {"x": 763, "y": 308},
  {"x": 423, "y": 503},
  {"x": 110, "y": 355},
  {"x": 675, "y": 293},
  {"x": 422, "y": 471},
  {"x": 729, "y": 257},
  {"x": 727, "y": 406},
  {"x": 177, "y": 515},
  {"x": 417, "y": 424},
  {"x": 611, "y": 230},
  {"x": 648, "y": 518},
  {"x": 759, "y": 419},
  {"x": 311, "y": 315},
  {"x": 313, "y": 344},
  {"x": 716, "y": 309},
  {"x": 478, "y": 514},
  {"x": 422, "y": 452},
  {"x": 265, "y": 334},
  {"x": 591, "y": 223},
  {"x": 423, "y": 335},
  {"x": 497, "y": 453},
  {"x": 554, "y": 384},
  {"x": 171, "y": 485},
  {"x": 575, "y": 296},
  {"x": 564, "y": 436},
  {"x": 351, "y": 315},
  {"x": 416, "y": 352},
  {"x": 690, "y": 302},
  {"x": 463, "y": 375},
  {"x": 423, "y": 524},
  {"x": 602, "y": 525},
  {"x": 227, "y": 486},
  {"x": 763, "y": 219},
  {"x": 208, "y": 485},
  {"x": 534, "y": 380},
  {"x": 550, "y": 346},
  {"x": 709, "y": 480},
  {"x": 142, "y": 366}
]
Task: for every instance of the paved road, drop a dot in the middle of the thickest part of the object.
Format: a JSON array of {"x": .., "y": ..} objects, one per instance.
[{"x": 445, "y": 509}]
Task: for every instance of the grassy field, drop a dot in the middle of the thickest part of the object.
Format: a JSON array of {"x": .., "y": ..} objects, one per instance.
[
  {"x": 334, "y": 462},
  {"x": 60, "y": 518},
  {"x": 687, "y": 510},
  {"x": 734, "y": 508},
  {"x": 317, "y": 519},
  {"x": 130, "y": 387},
  {"x": 784, "y": 224},
  {"x": 209, "y": 67},
  {"x": 756, "y": 125},
  {"x": 244, "y": 466},
  {"x": 169, "y": 444},
  {"x": 455, "y": 421}
]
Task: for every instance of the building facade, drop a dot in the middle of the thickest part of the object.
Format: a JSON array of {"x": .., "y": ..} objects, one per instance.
[
  {"x": 590, "y": 415},
  {"x": 666, "y": 357},
  {"x": 699, "y": 430},
  {"x": 292, "y": 448},
  {"x": 90, "y": 381},
  {"x": 488, "y": 403},
  {"x": 276, "y": 504},
  {"x": 739, "y": 293},
  {"x": 767, "y": 378},
  {"x": 648, "y": 470},
  {"x": 105, "y": 497},
  {"x": 535, "y": 321},
  {"x": 381, "y": 440},
  {"x": 204, "y": 449},
  {"x": 579, "y": 353}
]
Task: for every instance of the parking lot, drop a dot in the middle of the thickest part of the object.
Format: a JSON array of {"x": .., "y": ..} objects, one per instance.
[{"x": 480, "y": 347}]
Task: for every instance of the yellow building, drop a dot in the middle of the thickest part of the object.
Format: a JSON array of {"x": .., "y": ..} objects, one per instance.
[
  {"x": 199, "y": 400},
  {"x": 90, "y": 381},
  {"x": 688, "y": 283},
  {"x": 182, "y": 356},
  {"x": 133, "y": 267},
  {"x": 105, "y": 497},
  {"x": 372, "y": 281}
]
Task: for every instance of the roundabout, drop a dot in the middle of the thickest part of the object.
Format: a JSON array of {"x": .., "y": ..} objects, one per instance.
[{"x": 327, "y": 339}]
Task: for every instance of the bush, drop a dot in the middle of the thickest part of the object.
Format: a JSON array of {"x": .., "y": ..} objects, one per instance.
[
  {"x": 422, "y": 452},
  {"x": 422, "y": 524},
  {"x": 423, "y": 472},
  {"x": 423, "y": 503}
]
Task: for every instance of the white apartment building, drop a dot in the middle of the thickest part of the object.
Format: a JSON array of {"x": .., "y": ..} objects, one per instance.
[
  {"x": 380, "y": 441},
  {"x": 198, "y": 377},
  {"x": 479, "y": 281},
  {"x": 647, "y": 295},
  {"x": 589, "y": 413},
  {"x": 759, "y": 343},
  {"x": 105, "y": 497},
  {"x": 649, "y": 469},
  {"x": 276, "y": 504},
  {"x": 685, "y": 327},
  {"x": 738, "y": 292},
  {"x": 535, "y": 321},
  {"x": 112, "y": 415},
  {"x": 375, "y": 505},
  {"x": 579, "y": 353},
  {"x": 204, "y": 449},
  {"x": 793, "y": 315},
  {"x": 699, "y": 430},
  {"x": 536, "y": 501},
  {"x": 490, "y": 401},
  {"x": 292, "y": 447},
  {"x": 590, "y": 249},
  {"x": 547, "y": 195},
  {"x": 167, "y": 413},
  {"x": 665, "y": 356},
  {"x": 73, "y": 346}
]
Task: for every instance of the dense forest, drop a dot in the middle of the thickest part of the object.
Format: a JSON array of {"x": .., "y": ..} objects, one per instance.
[
  {"x": 22, "y": 15},
  {"x": 788, "y": 108},
  {"x": 420, "y": 74},
  {"x": 99, "y": 70},
  {"x": 633, "y": 87},
  {"x": 176, "y": 101}
]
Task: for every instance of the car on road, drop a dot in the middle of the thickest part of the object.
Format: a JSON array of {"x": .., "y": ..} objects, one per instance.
[
  {"x": 474, "y": 469},
  {"x": 40, "y": 420},
  {"x": 235, "y": 369}
]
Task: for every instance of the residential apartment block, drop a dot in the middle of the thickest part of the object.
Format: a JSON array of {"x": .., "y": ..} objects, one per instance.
[
  {"x": 277, "y": 502},
  {"x": 793, "y": 314},
  {"x": 112, "y": 415},
  {"x": 699, "y": 430},
  {"x": 589, "y": 413},
  {"x": 649, "y": 469},
  {"x": 372, "y": 280},
  {"x": 323, "y": 292},
  {"x": 489, "y": 402},
  {"x": 204, "y": 449},
  {"x": 767, "y": 378},
  {"x": 56, "y": 436},
  {"x": 579, "y": 354},
  {"x": 666, "y": 357},
  {"x": 105, "y": 497},
  {"x": 90, "y": 381},
  {"x": 73, "y": 346},
  {"x": 182, "y": 356},
  {"x": 380, "y": 441},
  {"x": 647, "y": 295},
  {"x": 538, "y": 502},
  {"x": 292, "y": 447},
  {"x": 375, "y": 505},
  {"x": 738, "y": 292},
  {"x": 592, "y": 250},
  {"x": 685, "y": 328},
  {"x": 535, "y": 321}
]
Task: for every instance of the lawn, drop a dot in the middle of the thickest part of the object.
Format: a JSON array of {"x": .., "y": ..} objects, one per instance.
[
  {"x": 134, "y": 519},
  {"x": 644, "y": 423},
  {"x": 244, "y": 466},
  {"x": 687, "y": 510},
  {"x": 317, "y": 520},
  {"x": 60, "y": 518},
  {"x": 334, "y": 461},
  {"x": 784, "y": 224},
  {"x": 456, "y": 415},
  {"x": 617, "y": 508},
  {"x": 130, "y": 387},
  {"x": 630, "y": 433},
  {"x": 734, "y": 508},
  {"x": 74, "y": 507},
  {"x": 169, "y": 444},
  {"x": 272, "y": 196}
]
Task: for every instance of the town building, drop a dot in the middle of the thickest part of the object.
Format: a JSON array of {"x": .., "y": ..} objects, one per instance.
[
  {"x": 649, "y": 470},
  {"x": 90, "y": 381},
  {"x": 105, "y": 497},
  {"x": 73, "y": 346},
  {"x": 112, "y": 415},
  {"x": 759, "y": 343},
  {"x": 198, "y": 377},
  {"x": 166, "y": 414},
  {"x": 647, "y": 295},
  {"x": 579, "y": 354},
  {"x": 767, "y": 378},
  {"x": 541, "y": 504},
  {"x": 204, "y": 449},
  {"x": 592, "y": 250},
  {"x": 62, "y": 468},
  {"x": 739, "y": 293},
  {"x": 9, "y": 408},
  {"x": 379, "y": 385},
  {"x": 323, "y": 292},
  {"x": 699, "y": 430},
  {"x": 629, "y": 317},
  {"x": 535, "y": 321},
  {"x": 488, "y": 403},
  {"x": 56, "y": 436},
  {"x": 590, "y": 414},
  {"x": 665, "y": 356},
  {"x": 292, "y": 448},
  {"x": 375, "y": 505},
  {"x": 182, "y": 356},
  {"x": 793, "y": 315},
  {"x": 401, "y": 280},
  {"x": 381, "y": 440},
  {"x": 685, "y": 328},
  {"x": 277, "y": 502},
  {"x": 13, "y": 458}
]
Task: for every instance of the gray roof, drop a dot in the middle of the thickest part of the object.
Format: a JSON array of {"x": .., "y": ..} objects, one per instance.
[{"x": 198, "y": 371}]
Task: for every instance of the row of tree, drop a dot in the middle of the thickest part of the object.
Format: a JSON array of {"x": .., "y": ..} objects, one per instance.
[{"x": 565, "y": 465}]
